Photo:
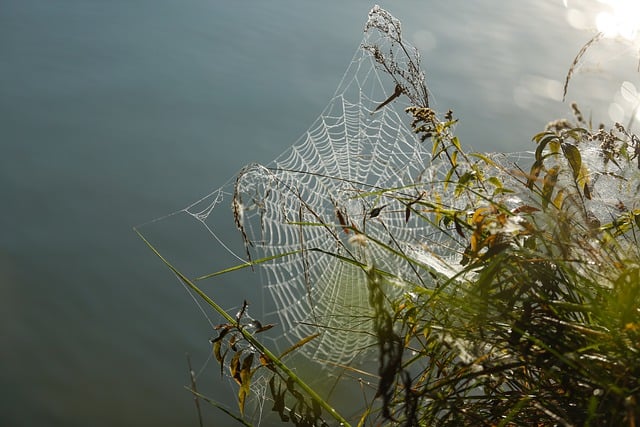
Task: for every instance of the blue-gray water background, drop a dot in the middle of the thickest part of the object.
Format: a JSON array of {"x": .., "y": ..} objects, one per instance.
[{"x": 113, "y": 113}]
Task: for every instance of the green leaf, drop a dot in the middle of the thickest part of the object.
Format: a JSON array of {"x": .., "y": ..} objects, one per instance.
[
  {"x": 572, "y": 154},
  {"x": 463, "y": 181},
  {"x": 447, "y": 178},
  {"x": 279, "y": 405},
  {"x": 537, "y": 137},
  {"x": 250, "y": 264},
  {"x": 542, "y": 144},
  {"x": 220, "y": 407},
  {"x": 577, "y": 134},
  {"x": 495, "y": 181}
]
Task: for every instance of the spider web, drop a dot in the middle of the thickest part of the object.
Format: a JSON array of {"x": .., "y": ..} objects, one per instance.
[
  {"x": 311, "y": 208},
  {"x": 337, "y": 201},
  {"x": 340, "y": 199}
]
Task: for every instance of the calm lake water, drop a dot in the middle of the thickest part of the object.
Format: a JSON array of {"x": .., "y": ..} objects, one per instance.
[{"x": 113, "y": 113}]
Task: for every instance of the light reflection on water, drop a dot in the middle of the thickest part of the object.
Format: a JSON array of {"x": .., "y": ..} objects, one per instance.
[
  {"x": 113, "y": 113},
  {"x": 618, "y": 21}
]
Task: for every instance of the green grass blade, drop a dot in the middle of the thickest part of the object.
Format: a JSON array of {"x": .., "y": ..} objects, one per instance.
[
  {"x": 220, "y": 407},
  {"x": 247, "y": 264}
]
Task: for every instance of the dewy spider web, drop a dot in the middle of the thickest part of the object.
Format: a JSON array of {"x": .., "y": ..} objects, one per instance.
[
  {"x": 320, "y": 196},
  {"x": 305, "y": 207},
  {"x": 337, "y": 200}
]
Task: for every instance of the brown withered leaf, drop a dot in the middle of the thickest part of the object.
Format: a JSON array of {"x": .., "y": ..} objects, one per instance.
[
  {"x": 264, "y": 328},
  {"x": 525, "y": 209},
  {"x": 264, "y": 361},
  {"x": 234, "y": 367},
  {"x": 217, "y": 345},
  {"x": 225, "y": 330},
  {"x": 456, "y": 223}
]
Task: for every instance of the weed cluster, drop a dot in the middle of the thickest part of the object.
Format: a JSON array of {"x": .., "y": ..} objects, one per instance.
[
  {"x": 540, "y": 326},
  {"x": 536, "y": 319}
]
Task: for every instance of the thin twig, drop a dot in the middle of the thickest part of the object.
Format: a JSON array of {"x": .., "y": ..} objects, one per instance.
[{"x": 194, "y": 389}]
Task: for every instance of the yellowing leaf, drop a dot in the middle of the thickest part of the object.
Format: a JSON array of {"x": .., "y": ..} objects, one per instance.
[
  {"x": 264, "y": 361},
  {"x": 245, "y": 381},
  {"x": 534, "y": 173},
  {"x": 264, "y": 328},
  {"x": 473, "y": 242},
  {"x": 216, "y": 351},
  {"x": 447, "y": 178},
  {"x": 479, "y": 215},
  {"x": 548, "y": 185},
  {"x": 495, "y": 181},
  {"x": 438, "y": 199},
  {"x": 456, "y": 142},
  {"x": 557, "y": 201},
  {"x": 234, "y": 367},
  {"x": 484, "y": 158}
]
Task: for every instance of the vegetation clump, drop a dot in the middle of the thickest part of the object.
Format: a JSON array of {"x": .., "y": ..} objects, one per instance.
[
  {"x": 541, "y": 324},
  {"x": 536, "y": 319}
]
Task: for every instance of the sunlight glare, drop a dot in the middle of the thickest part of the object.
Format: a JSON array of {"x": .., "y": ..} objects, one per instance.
[{"x": 623, "y": 20}]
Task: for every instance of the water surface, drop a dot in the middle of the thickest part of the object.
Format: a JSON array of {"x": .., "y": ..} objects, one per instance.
[{"x": 115, "y": 113}]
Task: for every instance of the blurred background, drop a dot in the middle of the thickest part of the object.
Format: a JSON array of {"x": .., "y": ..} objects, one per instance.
[{"x": 113, "y": 113}]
